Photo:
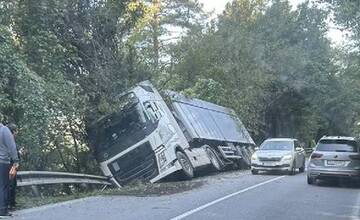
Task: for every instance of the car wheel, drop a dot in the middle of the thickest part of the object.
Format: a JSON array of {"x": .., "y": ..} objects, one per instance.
[
  {"x": 187, "y": 168},
  {"x": 254, "y": 172},
  {"x": 310, "y": 180},
  {"x": 293, "y": 169}
]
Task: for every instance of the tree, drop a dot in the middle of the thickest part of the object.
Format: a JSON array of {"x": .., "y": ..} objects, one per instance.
[
  {"x": 77, "y": 60},
  {"x": 346, "y": 17},
  {"x": 164, "y": 23},
  {"x": 271, "y": 64}
]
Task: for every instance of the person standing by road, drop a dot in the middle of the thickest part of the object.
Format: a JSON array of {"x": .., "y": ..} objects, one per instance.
[
  {"x": 8, "y": 152},
  {"x": 13, "y": 182}
]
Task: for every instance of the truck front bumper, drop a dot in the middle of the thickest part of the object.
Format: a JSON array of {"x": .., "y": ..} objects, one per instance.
[{"x": 173, "y": 167}]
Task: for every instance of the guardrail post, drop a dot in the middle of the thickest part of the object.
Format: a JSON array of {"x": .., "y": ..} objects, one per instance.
[
  {"x": 85, "y": 187},
  {"x": 35, "y": 191}
]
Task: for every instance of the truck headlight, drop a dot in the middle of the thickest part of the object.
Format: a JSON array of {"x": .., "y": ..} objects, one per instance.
[
  {"x": 287, "y": 157},
  {"x": 162, "y": 159}
]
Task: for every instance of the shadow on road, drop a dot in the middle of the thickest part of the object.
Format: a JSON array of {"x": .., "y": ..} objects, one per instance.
[
  {"x": 339, "y": 183},
  {"x": 205, "y": 174}
]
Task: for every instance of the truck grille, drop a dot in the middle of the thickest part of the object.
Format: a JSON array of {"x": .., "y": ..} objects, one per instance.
[
  {"x": 138, "y": 164},
  {"x": 269, "y": 158}
]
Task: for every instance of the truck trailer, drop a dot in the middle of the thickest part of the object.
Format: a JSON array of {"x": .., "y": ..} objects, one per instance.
[{"x": 153, "y": 135}]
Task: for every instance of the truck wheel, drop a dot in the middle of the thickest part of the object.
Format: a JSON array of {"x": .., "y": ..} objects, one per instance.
[
  {"x": 246, "y": 157},
  {"x": 215, "y": 163},
  {"x": 187, "y": 168}
]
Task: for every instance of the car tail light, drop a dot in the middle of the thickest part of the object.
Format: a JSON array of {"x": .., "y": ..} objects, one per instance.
[
  {"x": 355, "y": 157},
  {"x": 316, "y": 156}
]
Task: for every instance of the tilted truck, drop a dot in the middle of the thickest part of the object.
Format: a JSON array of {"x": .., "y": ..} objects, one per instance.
[{"x": 153, "y": 135}]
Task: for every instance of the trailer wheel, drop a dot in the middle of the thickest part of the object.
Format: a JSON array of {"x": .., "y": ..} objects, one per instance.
[
  {"x": 213, "y": 159},
  {"x": 187, "y": 171},
  {"x": 246, "y": 157}
]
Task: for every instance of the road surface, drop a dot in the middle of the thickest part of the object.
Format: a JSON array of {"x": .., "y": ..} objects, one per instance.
[{"x": 232, "y": 195}]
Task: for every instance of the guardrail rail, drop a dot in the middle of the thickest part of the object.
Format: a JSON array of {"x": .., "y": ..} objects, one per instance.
[{"x": 33, "y": 178}]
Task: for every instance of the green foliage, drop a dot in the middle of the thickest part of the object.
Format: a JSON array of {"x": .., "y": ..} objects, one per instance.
[
  {"x": 271, "y": 64},
  {"x": 346, "y": 16},
  {"x": 163, "y": 23},
  {"x": 346, "y": 13},
  {"x": 62, "y": 63}
]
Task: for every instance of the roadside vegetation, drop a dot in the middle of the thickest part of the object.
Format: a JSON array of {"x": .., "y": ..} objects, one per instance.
[{"x": 62, "y": 63}]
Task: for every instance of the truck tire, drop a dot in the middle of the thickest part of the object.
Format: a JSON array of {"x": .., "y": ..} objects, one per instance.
[
  {"x": 246, "y": 157},
  {"x": 248, "y": 153},
  {"x": 187, "y": 171},
  {"x": 216, "y": 165}
]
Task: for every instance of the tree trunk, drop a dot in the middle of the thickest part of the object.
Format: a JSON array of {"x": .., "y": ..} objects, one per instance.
[{"x": 156, "y": 33}]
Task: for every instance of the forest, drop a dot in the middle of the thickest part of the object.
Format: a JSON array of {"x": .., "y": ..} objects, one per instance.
[{"x": 62, "y": 63}]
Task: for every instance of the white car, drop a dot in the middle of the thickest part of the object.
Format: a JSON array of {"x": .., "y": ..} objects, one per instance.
[{"x": 279, "y": 154}]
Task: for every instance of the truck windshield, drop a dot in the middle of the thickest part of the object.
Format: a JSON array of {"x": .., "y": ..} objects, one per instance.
[
  {"x": 120, "y": 130},
  {"x": 277, "y": 145}
]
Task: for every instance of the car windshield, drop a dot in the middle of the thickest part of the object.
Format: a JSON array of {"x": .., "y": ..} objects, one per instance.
[
  {"x": 337, "y": 146},
  {"x": 277, "y": 145}
]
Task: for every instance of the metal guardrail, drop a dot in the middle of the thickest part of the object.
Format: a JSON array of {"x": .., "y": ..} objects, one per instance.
[
  {"x": 33, "y": 178},
  {"x": 308, "y": 151}
]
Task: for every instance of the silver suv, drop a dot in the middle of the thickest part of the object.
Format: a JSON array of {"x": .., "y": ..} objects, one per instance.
[{"x": 334, "y": 157}]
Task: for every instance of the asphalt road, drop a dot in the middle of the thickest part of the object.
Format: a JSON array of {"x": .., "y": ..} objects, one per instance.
[{"x": 232, "y": 195}]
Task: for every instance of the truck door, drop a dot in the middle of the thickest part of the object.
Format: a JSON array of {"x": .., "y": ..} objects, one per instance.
[{"x": 165, "y": 130}]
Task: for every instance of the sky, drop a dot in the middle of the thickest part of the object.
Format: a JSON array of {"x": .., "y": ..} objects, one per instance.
[{"x": 217, "y": 6}]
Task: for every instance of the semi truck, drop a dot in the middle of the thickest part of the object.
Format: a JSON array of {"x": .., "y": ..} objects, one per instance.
[{"x": 152, "y": 135}]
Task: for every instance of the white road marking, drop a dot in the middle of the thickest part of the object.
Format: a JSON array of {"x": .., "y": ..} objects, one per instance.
[{"x": 190, "y": 212}]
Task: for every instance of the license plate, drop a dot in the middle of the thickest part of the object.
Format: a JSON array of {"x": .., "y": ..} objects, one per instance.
[
  {"x": 269, "y": 164},
  {"x": 335, "y": 163}
]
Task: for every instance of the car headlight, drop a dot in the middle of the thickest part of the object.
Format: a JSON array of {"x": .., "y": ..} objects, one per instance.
[
  {"x": 287, "y": 157},
  {"x": 254, "y": 157}
]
